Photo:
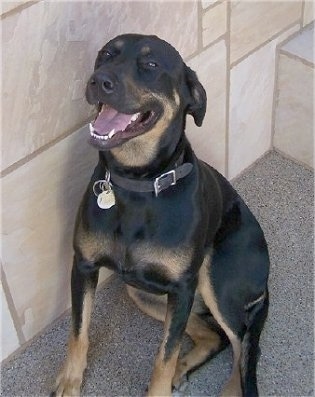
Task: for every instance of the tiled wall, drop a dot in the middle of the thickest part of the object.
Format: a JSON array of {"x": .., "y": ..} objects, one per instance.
[
  {"x": 294, "y": 111},
  {"x": 48, "y": 53}
]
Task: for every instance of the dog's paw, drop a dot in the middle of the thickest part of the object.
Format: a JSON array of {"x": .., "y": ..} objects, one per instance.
[
  {"x": 180, "y": 377},
  {"x": 182, "y": 388},
  {"x": 66, "y": 387}
]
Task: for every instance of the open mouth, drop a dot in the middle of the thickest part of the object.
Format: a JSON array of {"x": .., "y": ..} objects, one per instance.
[{"x": 111, "y": 128}]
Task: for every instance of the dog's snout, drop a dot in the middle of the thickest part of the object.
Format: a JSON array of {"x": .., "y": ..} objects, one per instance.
[
  {"x": 104, "y": 81},
  {"x": 107, "y": 84}
]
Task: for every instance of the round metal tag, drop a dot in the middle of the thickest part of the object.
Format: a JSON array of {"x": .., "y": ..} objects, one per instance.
[{"x": 106, "y": 199}]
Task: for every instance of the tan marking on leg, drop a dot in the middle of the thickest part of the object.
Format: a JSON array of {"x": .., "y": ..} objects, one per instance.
[
  {"x": 253, "y": 303},
  {"x": 233, "y": 386},
  {"x": 155, "y": 306},
  {"x": 206, "y": 342},
  {"x": 162, "y": 375},
  {"x": 164, "y": 369},
  {"x": 70, "y": 378}
]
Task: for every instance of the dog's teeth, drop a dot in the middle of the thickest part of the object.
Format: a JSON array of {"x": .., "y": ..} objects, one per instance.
[
  {"x": 111, "y": 133},
  {"x": 135, "y": 116},
  {"x": 91, "y": 128}
]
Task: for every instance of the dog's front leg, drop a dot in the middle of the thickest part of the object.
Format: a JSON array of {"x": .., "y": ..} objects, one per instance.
[
  {"x": 178, "y": 309},
  {"x": 84, "y": 280}
]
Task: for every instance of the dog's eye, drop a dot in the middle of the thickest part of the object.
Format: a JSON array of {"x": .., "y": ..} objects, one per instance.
[
  {"x": 106, "y": 54},
  {"x": 152, "y": 64},
  {"x": 148, "y": 65}
]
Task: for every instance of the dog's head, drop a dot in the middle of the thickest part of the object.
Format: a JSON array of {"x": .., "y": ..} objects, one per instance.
[{"x": 140, "y": 85}]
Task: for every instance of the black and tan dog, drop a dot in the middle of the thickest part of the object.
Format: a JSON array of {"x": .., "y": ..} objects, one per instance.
[{"x": 170, "y": 225}]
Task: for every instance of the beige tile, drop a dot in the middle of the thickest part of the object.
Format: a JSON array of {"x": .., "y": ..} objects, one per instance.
[
  {"x": 302, "y": 45},
  {"x": 294, "y": 121},
  {"x": 9, "y": 339},
  {"x": 207, "y": 3},
  {"x": 253, "y": 23},
  {"x": 251, "y": 101},
  {"x": 174, "y": 21},
  {"x": 208, "y": 141},
  {"x": 214, "y": 23},
  {"x": 39, "y": 202},
  {"x": 309, "y": 12},
  {"x": 49, "y": 51}
]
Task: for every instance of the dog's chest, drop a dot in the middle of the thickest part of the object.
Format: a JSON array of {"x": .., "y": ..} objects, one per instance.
[{"x": 147, "y": 247}]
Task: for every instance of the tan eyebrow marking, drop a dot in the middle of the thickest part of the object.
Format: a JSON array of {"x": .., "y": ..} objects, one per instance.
[
  {"x": 145, "y": 50},
  {"x": 119, "y": 43}
]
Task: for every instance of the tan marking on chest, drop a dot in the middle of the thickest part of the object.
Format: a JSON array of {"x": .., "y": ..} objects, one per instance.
[
  {"x": 93, "y": 245},
  {"x": 172, "y": 261}
]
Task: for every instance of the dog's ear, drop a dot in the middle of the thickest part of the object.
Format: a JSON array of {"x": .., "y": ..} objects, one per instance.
[{"x": 197, "y": 103}]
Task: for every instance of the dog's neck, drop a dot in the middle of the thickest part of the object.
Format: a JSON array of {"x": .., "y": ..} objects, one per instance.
[{"x": 143, "y": 163}]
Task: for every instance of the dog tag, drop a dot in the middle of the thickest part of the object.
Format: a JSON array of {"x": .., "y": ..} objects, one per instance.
[{"x": 106, "y": 199}]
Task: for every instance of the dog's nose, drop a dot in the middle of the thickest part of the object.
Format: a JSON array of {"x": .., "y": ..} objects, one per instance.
[{"x": 104, "y": 81}]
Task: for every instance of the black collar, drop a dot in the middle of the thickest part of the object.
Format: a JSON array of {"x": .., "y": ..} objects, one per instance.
[
  {"x": 175, "y": 171},
  {"x": 161, "y": 182}
]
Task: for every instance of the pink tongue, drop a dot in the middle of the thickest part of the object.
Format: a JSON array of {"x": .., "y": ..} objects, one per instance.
[{"x": 110, "y": 119}]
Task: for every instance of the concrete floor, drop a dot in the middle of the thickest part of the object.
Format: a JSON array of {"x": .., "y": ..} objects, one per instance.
[{"x": 124, "y": 341}]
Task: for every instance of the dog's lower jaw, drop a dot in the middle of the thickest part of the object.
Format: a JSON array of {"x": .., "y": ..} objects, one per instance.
[{"x": 137, "y": 152}]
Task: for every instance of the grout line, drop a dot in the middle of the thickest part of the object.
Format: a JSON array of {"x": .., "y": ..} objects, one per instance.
[
  {"x": 228, "y": 88},
  {"x": 297, "y": 58},
  {"x": 18, "y": 9},
  {"x": 291, "y": 36},
  {"x": 216, "y": 41},
  {"x": 302, "y": 14},
  {"x": 13, "y": 167},
  {"x": 274, "y": 97},
  {"x": 204, "y": 10},
  {"x": 196, "y": 53},
  {"x": 199, "y": 27},
  {"x": 251, "y": 52},
  {"x": 12, "y": 308}
]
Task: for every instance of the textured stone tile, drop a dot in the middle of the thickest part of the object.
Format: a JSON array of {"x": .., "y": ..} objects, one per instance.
[
  {"x": 7, "y": 6},
  {"x": 49, "y": 51},
  {"x": 214, "y": 23},
  {"x": 302, "y": 45},
  {"x": 251, "y": 100},
  {"x": 253, "y": 23},
  {"x": 9, "y": 338},
  {"x": 309, "y": 12},
  {"x": 209, "y": 140},
  {"x": 207, "y": 3},
  {"x": 294, "y": 121},
  {"x": 40, "y": 200}
]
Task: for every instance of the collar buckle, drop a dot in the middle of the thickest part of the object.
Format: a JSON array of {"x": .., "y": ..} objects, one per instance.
[{"x": 164, "y": 181}]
